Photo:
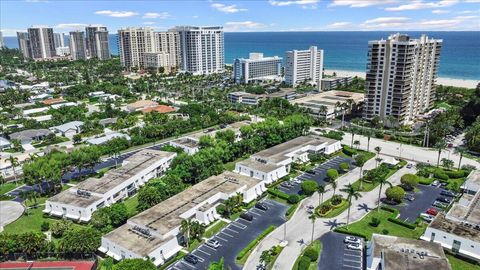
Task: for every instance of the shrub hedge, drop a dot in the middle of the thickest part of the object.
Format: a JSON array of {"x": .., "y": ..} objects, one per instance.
[
  {"x": 278, "y": 193},
  {"x": 255, "y": 242},
  {"x": 402, "y": 223},
  {"x": 347, "y": 150},
  {"x": 455, "y": 174}
]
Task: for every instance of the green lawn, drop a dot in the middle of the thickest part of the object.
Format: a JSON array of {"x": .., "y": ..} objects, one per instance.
[
  {"x": 369, "y": 186},
  {"x": 214, "y": 228},
  {"x": 230, "y": 166},
  {"x": 4, "y": 188},
  {"x": 459, "y": 264},
  {"x": 443, "y": 105},
  {"x": 362, "y": 227},
  {"x": 131, "y": 204},
  {"x": 334, "y": 211},
  {"x": 317, "y": 245}
]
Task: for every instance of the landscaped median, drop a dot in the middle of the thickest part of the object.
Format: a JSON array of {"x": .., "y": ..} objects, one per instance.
[
  {"x": 384, "y": 221},
  {"x": 370, "y": 179},
  {"x": 243, "y": 255},
  {"x": 332, "y": 207},
  {"x": 309, "y": 258}
]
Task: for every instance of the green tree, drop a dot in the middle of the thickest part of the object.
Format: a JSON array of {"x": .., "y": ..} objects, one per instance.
[
  {"x": 185, "y": 229},
  {"x": 309, "y": 187},
  {"x": 134, "y": 264},
  {"x": 395, "y": 193},
  {"x": 360, "y": 161},
  {"x": 321, "y": 190},
  {"x": 313, "y": 217},
  {"x": 220, "y": 265},
  {"x": 382, "y": 181},
  {"x": 409, "y": 181},
  {"x": 351, "y": 192},
  {"x": 332, "y": 174},
  {"x": 58, "y": 228},
  {"x": 344, "y": 166},
  {"x": 14, "y": 163},
  {"x": 83, "y": 240},
  {"x": 440, "y": 145},
  {"x": 447, "y": 163}
]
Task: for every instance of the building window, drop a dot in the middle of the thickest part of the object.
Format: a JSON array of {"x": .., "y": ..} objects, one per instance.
[
  {"x": 432, "y": 237},
  {"x": 456, "y": 246}
]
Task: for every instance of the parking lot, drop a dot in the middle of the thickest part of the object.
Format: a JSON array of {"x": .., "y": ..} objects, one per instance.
[
  {"x": 319, "y": 176},
  {"x": 410, "y": 210},
  {"x": 236, "y": 236},
  {"x": 336, "y": 255}
]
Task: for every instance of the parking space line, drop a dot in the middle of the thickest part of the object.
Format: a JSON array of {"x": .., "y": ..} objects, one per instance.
[
  {"x": 351, "y": 266},
  {"x": 267, "y": 203},
  {"x": 253, "y": 213},
  {"x": 357, "y": 256},
  {"x": 227, "y": 228},
  {"x": 207, "y": 247},
  {"x": 238, "y": 226},
  {"x": 256, "y": 209},
  {"x": 199, "y": 258},
  {"x": 198, "y": 249},
  {"x": 187, "y": 264},
  {"x": 349, "y": 260},
  {"x": 222, "y": 232},
  {"x": 221, "y": 238},
  {"x": 238, "y": 220}
]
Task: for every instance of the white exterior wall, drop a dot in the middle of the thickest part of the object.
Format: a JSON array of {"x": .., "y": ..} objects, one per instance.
[
  {"x": 254, "y": 192},
  {"x": 116, "y": 251},
  {"x": 165, "y": 251},
  {"x": 332, "y": 148},
  {"x": 267, "y": 177},
  {"x": 188, "y": 150},
  {"x": 468, "y": 247},
  {"x": 304, "y": 65}
]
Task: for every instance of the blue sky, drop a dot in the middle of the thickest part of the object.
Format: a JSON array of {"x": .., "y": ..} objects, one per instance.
[{"x": 253, "y": 15}]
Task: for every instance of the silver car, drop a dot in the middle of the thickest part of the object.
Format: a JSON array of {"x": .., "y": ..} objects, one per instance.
[{"x": 212, "y": 243}]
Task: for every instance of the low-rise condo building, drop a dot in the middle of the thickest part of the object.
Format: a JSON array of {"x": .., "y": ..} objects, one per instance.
[
  {"x": 155, "y": 233},
  {"x": 254, "y": 99},
  {"x": 459, "y": 230},
  {"x": 335, "y": 82},
  {"x": 257, "y": 68},
  {"x": 274, "y": 163},
  {"x": 79, "y": 202}
]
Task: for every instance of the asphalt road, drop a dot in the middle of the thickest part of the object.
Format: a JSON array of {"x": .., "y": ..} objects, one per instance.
[
  {"x": 409, "y": 211},
  {"x": 236, "y": 236},
  {"x": 335, "y": 254}
]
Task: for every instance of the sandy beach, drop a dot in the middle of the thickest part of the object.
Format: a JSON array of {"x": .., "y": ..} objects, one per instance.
[{"x": 440, "y": 80}]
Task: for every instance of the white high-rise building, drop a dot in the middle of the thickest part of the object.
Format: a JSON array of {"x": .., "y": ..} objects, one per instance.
[
  {"x": 42, "y": 42},
  {"x": 169, "y": 43},
  {"x": 257, "y": 67},
  {"x": 304, "y": 66},
  {"x": 78, "y": 50},
  {"x": 96, "y": 42},
  {"x": 2, "y": 43},
  {"x": 202, "y": 49},
  {"x": 59, "y": 40},
  {"x": 24, "y": 44},
  {"x": 132, "y": 43},
  {"x": 400, "y": 79}
]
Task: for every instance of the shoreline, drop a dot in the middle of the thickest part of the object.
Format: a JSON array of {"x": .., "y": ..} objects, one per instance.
[{"x": 440, "y": 80}]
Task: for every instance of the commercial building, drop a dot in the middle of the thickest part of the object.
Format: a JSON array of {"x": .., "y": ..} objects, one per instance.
[
  {"x": 155, "y": 233},
  {"x": 42, "y": 43},
  {"x": 400, "y": 79},
  {"x": 132, "y": 43},
  {"x": 59, "y": 40},
  {"x": 254, "y": 99},
  {"x": 24, "y": 44},
  {"x": 79, "y": 202},
  {"x": 202, "y": 49},
  {"x": 274, "y": 163},
  {"x": 257, "y": 68},
  {"x": 328, "y": 104},
  {"x": 169, "y": 43},
  {"x": 96, "y": 42},
  {"x": 385, "y": 252},
  {"x": 304, "y": 66},
  {"x": 459, "y": 230},
  {"x": 335, "y": 82},
  {"x": 78, "y": 50}
]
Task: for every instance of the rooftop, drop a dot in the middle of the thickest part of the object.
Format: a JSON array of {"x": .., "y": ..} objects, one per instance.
[
  {"x": 159, "y": 109},
  {"x": 329, "y": 98},
  {"x": 68, "y": 126},
  {"x": 165, "y": 216},
  {"x": 53, "y": 101},
  {"x": 442, "y": 223},
  {"x": 187, "y": 142},
  {"x": 404, "y": 253},
  {"x": 29, "y": 134},
  {"x": 142, "y": 103},
  {"x": 107, "y": 137}
]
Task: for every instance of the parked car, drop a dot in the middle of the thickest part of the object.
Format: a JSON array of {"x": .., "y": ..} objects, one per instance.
[
  {"x": 310, "y": 207},
  {"x": 261, "y": 206},
  {"x": 409, "y": 165},
  {"x": 286, "y": 185},
  {"x": 448, "y": 193},
  {"x": 409, "y": 197},
  {"x": 428, "y": 218},
  {"x": 443, "y": 200},
  {"x": 247, "y": 216},
  {"x": 191, "y": 258},
  {"x": 311, "y": 172},
  {"x": 212, "y": 243},
  {"x": 436, "y": 183},
  {"x": 439, "y": 204},
  {"x": 352, "y": 240},
  {"x": 354, "y": 247},
  {"x": 443, "y": 184},
  {"x": 432, "y": 211}
]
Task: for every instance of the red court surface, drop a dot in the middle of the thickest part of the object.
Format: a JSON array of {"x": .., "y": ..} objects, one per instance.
[{"x": 66, "y": 265}]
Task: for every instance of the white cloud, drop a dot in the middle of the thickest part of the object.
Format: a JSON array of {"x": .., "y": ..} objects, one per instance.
[
  {"x": 472, "y": 1},
  {"x": 155, "y": 15},
  {"x": 70, "y": 26},
  {"x": 149, "y": 23},
  {"x": 338, "y": 25},
  {"x": 195, "y": 16},
  {"x": 116, "y": 14},
  {"x": 243, "y": 26},
  {"x": 440, "y": 11},
  {"x": 37, "y": 1},
  {"x": 11, "y": 32},
  {"x": 419, "y": 4},
  {"x": 361, "y": 3},
  {"x": 404, "y": 23},
  {"x": 469, "y": 12},
  {"x": 227, "y": 9},
  {"x": 303, "y": 3},
  {"x": 387, "y": 20}
]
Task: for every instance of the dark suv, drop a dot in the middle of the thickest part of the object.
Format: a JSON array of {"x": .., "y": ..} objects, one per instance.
[
  {"x": 191, "y": 258},
  {"x": 261, "y": 206},
  {"x": 247, "y": 216}
]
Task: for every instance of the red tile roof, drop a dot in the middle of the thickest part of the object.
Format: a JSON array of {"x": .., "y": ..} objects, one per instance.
[
  {"x": 53, "y": 101},
  {"x": 160, "y": 109}
]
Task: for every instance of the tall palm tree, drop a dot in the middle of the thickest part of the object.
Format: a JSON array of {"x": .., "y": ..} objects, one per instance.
[
  {"x": 382, "y": 181},
  {"x": 356, "y": 143},
  {"x": 185, "y": 228},
  {"x": 440, "y": 145},
  {"x": 14, "y": 162},
  {"x": 377, "y": 161},
  {"x": 378, "y": 149},
  {"x": 321, "y": 190},
  {"x": 313, "y": 217},
  {"x": 352, "y": 132},
  {"x": 462, "y": 151},
  {"x": 360, "y": 161},
  {"x": 351, "y": 193},
  {"x": 369, "y": 134},
  {"x": 322, "y": 111},
  {"x": 334, "y": 186}
]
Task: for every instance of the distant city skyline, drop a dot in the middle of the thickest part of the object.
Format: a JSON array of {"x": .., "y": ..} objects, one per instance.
[{"x": 245, "y": 16}]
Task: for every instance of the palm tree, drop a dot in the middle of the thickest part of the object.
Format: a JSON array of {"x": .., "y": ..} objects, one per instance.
[
  {"x": 360, "y": 160},
  {"x": 377, "y": 161},
  {"x": 185, "y": 228},
  {"x": 369, "y": 134},
  {"x": 356, "y": 143},
  {"x": 313, "y": 217},
  {"x": 352, "y": 132},
  {"x": 378, "y": 149},
  {"x": 382, "y": 181},
  {"x": 462, "y": 151},
  {"x": 323, "y": 111},
  {"x": 351, "y": 193},
  {"x": 334, "y": 186},
  {"x": 321, "y": 190},
  {"x": 13, "y": 162},
  {"x": 440, "y": 145}
]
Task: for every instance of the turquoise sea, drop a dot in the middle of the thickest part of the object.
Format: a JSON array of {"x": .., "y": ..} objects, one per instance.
[{"x": 460, "y": 57}]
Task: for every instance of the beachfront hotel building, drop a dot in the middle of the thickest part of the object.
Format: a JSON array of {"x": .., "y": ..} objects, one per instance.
[
  {"x": 78, "y": 51},
  {"x": 41, "y": 42},
  {"x": 132, "y": 43},
  {"x": 169, "y": 43},
  {"x": 202, "y": 49},
  {"x": 257, "y": 68},
  {"x": 79, "y": 202},
  {"x": 400, "y": 77},
  {"x": 304, "y": 66},
  {"x": 24, "y": 44},
  {"x": 96, "y": 42}
]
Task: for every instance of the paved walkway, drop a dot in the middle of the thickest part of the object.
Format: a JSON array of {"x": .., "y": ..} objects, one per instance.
[
  {"x": 10, "y": 211},
  {"x": 299, "y": 227}
]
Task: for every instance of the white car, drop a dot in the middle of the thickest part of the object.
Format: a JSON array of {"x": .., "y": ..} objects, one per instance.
[
  {"x": 354, "y": 247},
  {"x": 426, "y": 217},
  {"x": 212, "y": 243},
  {"x": 352, "y": 240}
]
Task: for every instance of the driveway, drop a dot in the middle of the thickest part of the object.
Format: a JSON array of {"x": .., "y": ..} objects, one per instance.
[
  {"x": 235, "y": 237},
  {"x": 11, "y": 211},
  {"x": 409, "y": 211},
  {"x": 320, "y": 175},
  {"x": 335, "y": 254}
]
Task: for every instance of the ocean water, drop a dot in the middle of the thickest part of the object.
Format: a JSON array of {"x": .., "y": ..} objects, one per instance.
[{"x": 460, "y": 56}]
